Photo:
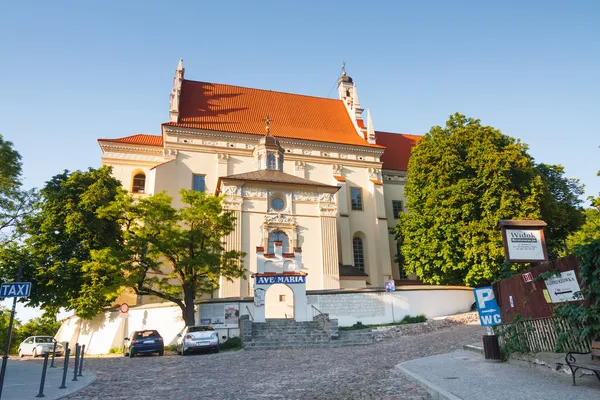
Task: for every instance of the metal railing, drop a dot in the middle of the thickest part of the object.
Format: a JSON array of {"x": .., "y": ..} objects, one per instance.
[
  {"x": 249, "y": 313},
  {"x": 317, "y": 310}
]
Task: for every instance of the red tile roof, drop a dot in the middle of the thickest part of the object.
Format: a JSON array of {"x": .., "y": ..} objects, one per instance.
[
  {"x": 146, "y": 140},
  {"x": 217, "y": 107},
  {"x": 398, "y": 149}
]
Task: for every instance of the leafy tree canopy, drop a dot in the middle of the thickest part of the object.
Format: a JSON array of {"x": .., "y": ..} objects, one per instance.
[
  {"x": 15, "y": 203},
  {"x": 589, "y": 231},
  {"x": 173, "y": 254},
  {"x": 464, "y": 177},
  {"x": 560, "y": 206},
  {"x": 60, "y": 236}
]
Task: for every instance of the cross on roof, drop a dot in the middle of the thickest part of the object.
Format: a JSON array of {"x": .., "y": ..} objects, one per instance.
[{"x": 268, "y": 122}]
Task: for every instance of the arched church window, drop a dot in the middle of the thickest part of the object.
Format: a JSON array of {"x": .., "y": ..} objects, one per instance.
[
  {"x": 278, "y": 236},
  {"x": 359, "y": 257},
  {"x": 139, "y": 183}
]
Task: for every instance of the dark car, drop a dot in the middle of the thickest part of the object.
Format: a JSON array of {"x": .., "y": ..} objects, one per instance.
[{"x": 148, "y": 341}]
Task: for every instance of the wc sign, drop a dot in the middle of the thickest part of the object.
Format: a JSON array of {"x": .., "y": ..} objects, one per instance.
[{"x": 489, "y": 312}]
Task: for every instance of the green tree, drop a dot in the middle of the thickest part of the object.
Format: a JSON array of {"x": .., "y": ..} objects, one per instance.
[
  {"x": 4, "y": 321},
  {"x": 464, "y": 177},
  {"x": 589, "y": 231},
  {"x": 60, "y": 236},
  {"x": 15, "y": 203},
  {"x": 560, "y": 206},
  {"x": 173, "y": 254},
  {"x": 46, "y": 325}
]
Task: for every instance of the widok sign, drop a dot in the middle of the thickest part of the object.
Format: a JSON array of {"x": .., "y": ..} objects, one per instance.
[
  {"x": 524, "y": 245},
  {"x": 489, "y": 312},
  {"x": 15, "y": 289}
]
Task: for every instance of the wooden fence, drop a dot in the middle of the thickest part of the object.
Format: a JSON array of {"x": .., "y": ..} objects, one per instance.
[{"x": 541, "y": 334}]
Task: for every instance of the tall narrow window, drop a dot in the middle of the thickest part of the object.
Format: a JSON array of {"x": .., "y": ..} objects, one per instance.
[
  {"x": 271, "y": 161},
  {"x": 198, "y": 183},
  {"x": 278, "y": 236},
  {"x": 397, "y": 208},
  {"x": 359, "y": 256},
  {"x": 139, "y": 183},
  {"x": 356, "y": 198}
]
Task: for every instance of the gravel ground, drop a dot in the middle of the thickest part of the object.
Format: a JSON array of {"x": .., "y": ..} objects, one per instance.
[{"x": 362, "y": 372}]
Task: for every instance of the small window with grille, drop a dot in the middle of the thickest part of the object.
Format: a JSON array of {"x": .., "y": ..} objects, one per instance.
[{"x": 397, "y": 208}]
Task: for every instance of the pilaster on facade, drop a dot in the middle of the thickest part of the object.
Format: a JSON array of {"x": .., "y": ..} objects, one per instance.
[
  {"x": 222, "y": 164},
  {"x": 329, "y": 240},
  {"x": 300, "y": 169},
  {"x": 233, "y": 241}
]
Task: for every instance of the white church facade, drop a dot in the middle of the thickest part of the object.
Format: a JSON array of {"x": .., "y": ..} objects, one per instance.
[{"x": 304, "y": 173}]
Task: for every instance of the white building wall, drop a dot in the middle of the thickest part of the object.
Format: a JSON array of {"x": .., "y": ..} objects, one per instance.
[{"x": 108, "y": 329}]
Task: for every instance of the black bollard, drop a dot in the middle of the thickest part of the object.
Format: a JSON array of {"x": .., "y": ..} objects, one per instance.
[
  {"x": 53, "y": 355},
  {"x": 81, "y": 360},
  {"x": 41, "y": 393},
  {"x": 65, "y": 368},
  {"x": 77, "y": 350}
]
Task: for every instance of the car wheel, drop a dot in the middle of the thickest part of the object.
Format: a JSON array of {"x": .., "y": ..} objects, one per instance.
[
  {"x": 161, "y": 353},
  {"x": 131, "y": 354},
  {"x": 34, "y": 353},
  {"x": 183, "y": 352},
  {"x": 20, "y": 353},
  {"x": 217, "y": 349}
]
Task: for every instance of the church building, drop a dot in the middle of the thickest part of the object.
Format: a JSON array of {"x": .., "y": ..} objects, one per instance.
[{"x": 312, "y": 185}]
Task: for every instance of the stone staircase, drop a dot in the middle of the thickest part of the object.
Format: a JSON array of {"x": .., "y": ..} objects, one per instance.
[{"x": 321, "y": 332}]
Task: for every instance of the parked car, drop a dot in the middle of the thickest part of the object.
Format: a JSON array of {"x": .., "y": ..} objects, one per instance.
[
  {"x": 197, "y": 338},
  {"x": 39, "y": 345},
  {"x": 147, "y": 341}
]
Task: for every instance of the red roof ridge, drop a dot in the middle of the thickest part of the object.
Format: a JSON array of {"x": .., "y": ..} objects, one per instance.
[
  {"x": 399, "y": 133},
  {"x": 138, "y": 138},
  {"x": 264, "y": 90}
]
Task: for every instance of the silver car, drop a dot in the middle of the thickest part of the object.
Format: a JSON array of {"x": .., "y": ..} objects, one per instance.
[
  {"x": 197, "y": 338},
  {"x": 38, "y": 346}
]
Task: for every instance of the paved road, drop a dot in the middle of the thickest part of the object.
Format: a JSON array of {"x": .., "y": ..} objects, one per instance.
[
  {"x": 22, "y": 380},
  {"x": 362, "y": 372}
]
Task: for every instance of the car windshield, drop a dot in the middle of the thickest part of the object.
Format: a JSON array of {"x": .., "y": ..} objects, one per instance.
[
  {"x": 145, "y": 334},
  {"x": 44, "y": 339},
  {"x": 200, "y": 328}
]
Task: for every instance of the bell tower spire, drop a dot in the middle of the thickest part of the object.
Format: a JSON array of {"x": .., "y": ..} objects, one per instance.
[
  {"x": 176, "y": 92},
  {"x": 269, "y": 153}
]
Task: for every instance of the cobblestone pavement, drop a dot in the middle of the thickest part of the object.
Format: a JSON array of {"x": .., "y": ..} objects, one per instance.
[{"x": 361, "y": 372}]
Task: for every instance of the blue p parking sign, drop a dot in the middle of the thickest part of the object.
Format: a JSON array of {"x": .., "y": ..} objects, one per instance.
[{"x": 489, "y": 312}]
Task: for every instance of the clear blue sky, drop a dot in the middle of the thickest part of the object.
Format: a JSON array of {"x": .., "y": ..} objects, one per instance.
[{"x": 73, "y": 71}]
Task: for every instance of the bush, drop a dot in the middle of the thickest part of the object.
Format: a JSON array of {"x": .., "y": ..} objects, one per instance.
[
  {"x": 171, "y": 348},
  {"x": 413, "y": 320},
  {"x": 116, "y": 350},
  {"x": 234, "y": 343}
]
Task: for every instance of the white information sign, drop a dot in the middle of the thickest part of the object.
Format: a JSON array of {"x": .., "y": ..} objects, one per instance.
[
  {"x": 220, "y": 315},
  {"x": 564, "y": 287},
  {"x": 524, "y": 245}
]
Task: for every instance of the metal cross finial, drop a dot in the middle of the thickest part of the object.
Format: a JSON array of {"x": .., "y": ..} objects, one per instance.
[
  {"x": 344, "y": 68},
  {"x": 268, "y": 122}
]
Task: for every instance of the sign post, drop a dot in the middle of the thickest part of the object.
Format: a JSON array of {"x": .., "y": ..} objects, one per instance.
[
  {"x": 489, "y": 315},
  {"x": 390, "y": 287},
  {"x": 14, "y": 290}
]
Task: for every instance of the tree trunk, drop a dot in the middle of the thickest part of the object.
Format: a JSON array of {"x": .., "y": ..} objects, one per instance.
[{"x": 188, "y": 299}]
